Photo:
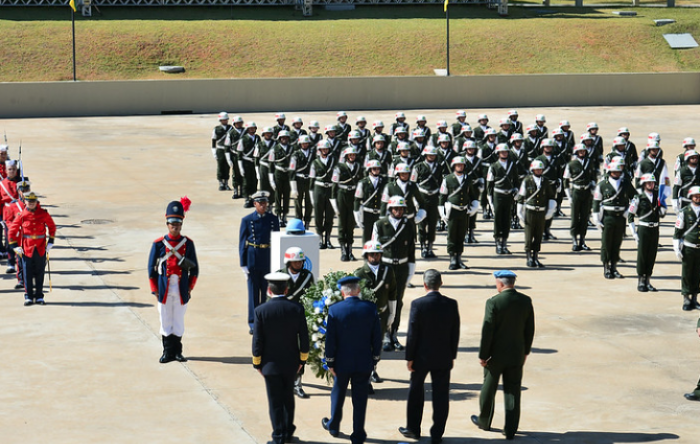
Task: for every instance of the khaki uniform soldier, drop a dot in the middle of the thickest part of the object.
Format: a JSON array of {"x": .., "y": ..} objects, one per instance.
[
  {"x": 421, "y": 128},
  {"x": 261, "y": 154},
  {"x": 365, "y": 134},
  {"x": 368, "y": 199},
  {"x": 246, "y": 162},
  {"x": 579, "y": 183},
  {"x": 400, "y": 123},
  {"x": 501, "y": 187},
  {"x": 397, "y": 238},
  {"x": 344, "y": 128},
  {"x": 231, "y": 143},
  {"x": 688, "y": 144},
  {"x": 300, "y": 279},
  {"x": 648, "y": 208},
  {"x": 473, "y": 171},
  {"x": 314, "y": 135},
  {"x": 459, "y": 200},
  {"x": 630, "y": 147},
  {"x": 279, "y": 158},
  {"x": 281, "y": 126},
  {"x": 296, "y": 131},
  {"x": 428, "y": 175},
  {"x": 300, "y": 179},
  {"x": 610, "y": 208},
  {"x": 378, "y": 128},
  {"x": 219, "y": 151},
  {"x": 516, "y": 125},
  {"x": 321, "y": 174},
  {"x": 456, "y": 128},
  {"x": 522, "y": 162},
  {"x": 686, "y": 245},
  {"x": 336, "y": 143},
  {"x": 532, "y": 142},
  {"x": 536, "y": 204},
  {"x": 346, "y": 175},
  {"x": 481, "y": 128},
  {"x": 653, "y": 164},
  {"x": 687, "y": 177},
  {"x": 440, "y": 134},
  {"x": 381, "y": 155},
  {"x": 379, "y": 278},
  {"x": 554, "y": 171}
]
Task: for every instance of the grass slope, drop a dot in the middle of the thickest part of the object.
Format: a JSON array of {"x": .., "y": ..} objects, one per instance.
[{"x": 130, "y": 43}]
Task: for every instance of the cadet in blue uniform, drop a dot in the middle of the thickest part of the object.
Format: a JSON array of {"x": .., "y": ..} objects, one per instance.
[
  {"x": 173, "y": 271},
  {"x": 254, "y": 250},
  {"x": 353, "y": 348},
  {"x": 280, "y": 350}
]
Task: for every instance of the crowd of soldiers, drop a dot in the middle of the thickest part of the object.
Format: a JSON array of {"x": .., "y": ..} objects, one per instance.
[
  {"x": 390, "y": 177},
  {"x": 27, "y": 233}
]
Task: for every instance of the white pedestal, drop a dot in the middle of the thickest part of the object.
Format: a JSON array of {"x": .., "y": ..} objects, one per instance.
[{"x": 308, "y": 242}]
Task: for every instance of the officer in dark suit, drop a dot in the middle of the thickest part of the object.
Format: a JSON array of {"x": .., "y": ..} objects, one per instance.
[
  {"x": 280, "y": 350},
  {"x": 506, "y": 340},
  {"x": 353, "y": 348},
  {"x": 254, "y": 250},
  {"x": 431, "y": 347}
]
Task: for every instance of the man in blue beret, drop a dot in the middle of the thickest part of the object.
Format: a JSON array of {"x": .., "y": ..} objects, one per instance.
[
  {"x": 506, "y": 340},
  {"x": 353, "y": 348}
]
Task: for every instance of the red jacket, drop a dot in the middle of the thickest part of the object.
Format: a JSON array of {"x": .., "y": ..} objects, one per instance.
[
  {"x": 13, "y": 211},
  {"x": 8, "y": 193},
  {"x": 28, "y": 230}
]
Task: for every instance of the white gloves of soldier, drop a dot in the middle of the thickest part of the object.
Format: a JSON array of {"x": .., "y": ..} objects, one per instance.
[
  {"x": 633, "y": 228},
  {"x": 228, "y": 159},
  {"x": 420, "y": 215},
  {"x": 674, "y": 203},
  {"x": 358, "y": 218},
  {"x": 311, "y": 196},
  {"x": 19, "y": 251},
  {"x": 521, "y": 212},
  {"x": 473, "y": 208},
  {"x": 392, "y": 314},
  {"x": 334, "y": 204},
  {"x": 568, "y": 194},
  {"x": 677, "y": 249},
  {"x": 559, "y": 185},
  {"x": 551, "y": 209},
  {"x": 441, "y": 211},
  {"x": 240, "y": 167},
  {"x": 271, "y": 177},
  {"x": 244, "y": 269},
  {"x": 294, "y": 193},
  {"x": 257, "y": 173},
  {"x": 213, "y": 153},
  {"x": 596, "y": 221},
  {"x": 49, "y": 246}
]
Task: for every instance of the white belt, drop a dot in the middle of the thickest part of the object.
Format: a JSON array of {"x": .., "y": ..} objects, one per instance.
[
  {"x": 347, "y": 187},
  {"x": 612, "y": 208},
  {"x": 249, "y": 159},
  {"x": 459, "y": 207},
  {"x": 264, "y": 164},
  {"x": 579, "y": 187},
  {"x": 370, "y": 210},
  {"x": 688, "y": 244},
  {"x": 535, "y": 208},
  {"x": 388, "y": 260},
  {"x": 502, "y": 191},
  {"x": 648, "y": 224},
  {"x": 324, "y": 184},
  {"x": 303, "y": 176}
]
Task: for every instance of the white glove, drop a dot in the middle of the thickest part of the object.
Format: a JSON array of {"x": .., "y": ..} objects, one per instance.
[
  {"x": 294, "y": 193},
  {"x": 559, "y": 184},
  {"x": 633, "y": 228},
  {"x": 420, "y": 215},
  {"x": 240, "y": 167},
  {"x": 596, "y": 221},
  {"x": 271, "y": 177},
  {"x": 662, "y": 211},
  {"x": 392, "y": 313},
  {"x": 245, "y": 270},
  {"x": 674, "y": 203},
  {"x": 521, "y": 212},
  {"x": 677, "y": 249},
  {"x": 19, "y": 251},
  {"x": 49, "y": 246},
  {"x": 213, "y": 153},
  {"x": 257, "y": 173},
  {"x": 311, "y": 196},
  {"x": 473, "y": 208},
  {"x": 358, "y": 218},
  {"x": 490, "y": 199},
  {"x": 568, "y": 194},
  {"x": 334, "y": 204},
  {"x": 228, "y": 159},
  {"x": 551, "y": 209},
  {"x": 441, "y": 211},
  {"x": 514, "y": 191}
]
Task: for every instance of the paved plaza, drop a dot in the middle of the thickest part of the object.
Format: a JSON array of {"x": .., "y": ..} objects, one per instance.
[{"x": 609, "y": 364}]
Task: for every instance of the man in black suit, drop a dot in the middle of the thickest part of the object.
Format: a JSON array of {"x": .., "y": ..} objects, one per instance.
[
  {"x": 280, "y": 350},
  {"x": 431, "y": 347},
  {"x": 353, "y": 348},
  {"x": 506, "y": 340}
]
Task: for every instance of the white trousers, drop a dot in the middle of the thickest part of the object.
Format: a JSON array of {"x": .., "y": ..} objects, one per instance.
[{"x": 172, "y": 313}]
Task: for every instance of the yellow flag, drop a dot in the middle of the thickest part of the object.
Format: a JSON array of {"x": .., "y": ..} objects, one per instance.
[
  {"x": 446, "y": 2},
  {"x": 72, "y": 5}
]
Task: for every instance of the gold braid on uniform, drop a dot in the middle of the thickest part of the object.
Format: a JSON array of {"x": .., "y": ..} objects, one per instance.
[
  {"x": 304, "y": 356},
  {"x": 257, "y": 360}
]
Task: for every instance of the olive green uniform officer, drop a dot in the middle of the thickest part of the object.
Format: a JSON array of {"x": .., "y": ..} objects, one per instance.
[
  {"x": 536, "y": 204},
  {"x": 428, "y": 176},
  {"x": 231, "y": 144},
  {"x": 487, "y": 153},
  {"x": 246, "y": 162},
  {"x": 281, "y": 126},
  {"x": 473, "y": 170},
  {"x": 379, "y": 278},
  {"x": 261, "y": 154},
  {"x": 652, "y": 163},
  {"x": 368, "y": 199},
  {"x": 610, "y": 208},
  {"x": 554, "y": 165},
  {"x": 459, "y": 199},
  {"x": 300, "y": 280},
  {"x": 502, "y": 186},
  {"x": 686, "y": 245},
  {"x": 346, "y": 174},
  {"x": 648, "y": 210},
  {"x": 219, "y": 151},
  {"x": 394, "y": 232},
  {"x": 381, "y": 154},
  {"x": 522, "y": 161},
  {"x": 686, "y": 178},
  {"x": 299, "y": 179},
  {"x": 579, "y": 183},
  {"x": 321, "y": 174},
  {"x": 456, "y": 128},
  {"x": 279, "y": 158}
]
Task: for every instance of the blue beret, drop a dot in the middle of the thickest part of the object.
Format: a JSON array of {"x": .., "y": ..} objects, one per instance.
[
  {"x": 347, "y": 280},
  {"x": 504, "y": 274}
]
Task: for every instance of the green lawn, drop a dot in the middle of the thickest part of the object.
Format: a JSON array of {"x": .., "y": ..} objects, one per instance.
[{"x": 223, "y": 42}]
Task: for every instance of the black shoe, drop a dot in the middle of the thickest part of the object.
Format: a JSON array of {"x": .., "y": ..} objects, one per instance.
[
  {"x": 40, "y": 301},
  {"x": 472, "y": 237},
  {"x": 616, "y": 273},
  {"x": 283, "y": 223},
  {"x": 235, "y": 192},
  {"x": 508, "y": 437},
  {"x": 590, "y": 224},
  {"x": 435, "y": 440},
  {"x": 607, "y": 272},
  {"x": 250, "y": 331},
  {"x": 343, "y": 255},
  {"x": 408, "y": 433},
  {"x": 329, "y": 245},
  {"x": 370, "y": 389},
  {"x": 691, "y": 397},
  {"x": 222, "y": 185},
  {"x": 248, "y": 204},
  {"x": 423, "y": 253},
  {"x": 461, "y": 264},
  {"x": 166, "y": 358},
  {"x": 299, "y": 391},
  {"x": 504, "y": 247},
  {"x": 430, "y": 254},
  {"x": 18, "y": 286},
  {"x": 388, "y": 347},
  {"x": 397, "y": 345},
  {"x": 28, "y": 302},
  {"x": 559, "y": 213},
  {"x": 475, "y": 421},
  {"x": 376, "y": 378},
  {"x": 180, "y": 358},
  {"x": 499, "y": 248},
  {"x": 694, "y": 302},
  {"x": 641, "y": 284},
  {"x": 351, "y": 256},
  {"x": 530, "y": 263},
  {"x": 575, "y": 246},
  {"x": 622, "y": 261},
  {"x": 324, "y": 424},
  {"x": 410, "y": 285},
  {"x": 290, "y": 439},
  {"x": 454, "y": 265},
  {"x": 536, "y": 260},
  {"x": 687, "y": 304},
  {"x": 584, "y": 247},
  {"x": 322, "y": 246}
]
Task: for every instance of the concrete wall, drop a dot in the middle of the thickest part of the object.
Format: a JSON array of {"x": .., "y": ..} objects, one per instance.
[{"x": 348, "y": 93}]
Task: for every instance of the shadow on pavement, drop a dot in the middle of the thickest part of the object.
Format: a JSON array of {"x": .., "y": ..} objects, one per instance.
[
  {"x": 247, "y": 360},
  {"x": 101, "y": 304},
  {"x": 95, "y": 287},
  {"x": 598, "y": 437}
]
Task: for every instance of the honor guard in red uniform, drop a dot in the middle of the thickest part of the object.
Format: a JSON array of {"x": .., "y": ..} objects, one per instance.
[
  {"x": 8, "y": 194},
  {"x": 173, "y": 271},
  {"x": 3, "y": 173},
  {"x": 14, "y": 210},
  {"x": 27, "y": 235}
]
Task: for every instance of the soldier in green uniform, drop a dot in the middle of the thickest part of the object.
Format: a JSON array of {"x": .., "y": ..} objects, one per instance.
[
  {"x": 300, "y": 179},
  {"x": 231, "y": 144},
  {"x": 651, "y": 163},
  {"x": 361, "y": 128},
  {"x": 503, "y": 134},
  {"x": 618, "y": 151},
  {"x": 402, "y": 158},
  {"x": 355, "y": 141},
  {"x": 688, "y": 144},
  {"x": 501, "y": 187},
  {"x": 336, "y": 143},
  {"x": 473, "y": 171},
  {"x": 456, "y": 128},
  {"x": 296, "y": 131},
  {"x": 695, "y": 394},
  {"x": 397, "y": 238},
  {"x": 281, "y": 126},
  {"x": 481, "y": 128},
  {"x": 400, "y": 136},
  {"x": 610, "y": 208},
  {"x": 536, "y": 204},
  {"x": 487, "y": 152},
  {"x": 381, "y": 155},
  {"x": 459, "y": 200},
  {"x": 418, "y": 142},
  {"x": 542, "y": 131},
  {"x": 428, "y": 175},
  {"x": 459, "y": 139},
  {"x": 246, "y": 147},
  {"x": 648, "y": 208},
  {"x": 399, "y": 123},
  {"x": 630, "y": 147},
  {"x": 368, "y": 198},
  {"x": 261, "y": 154},
  {"x": 219, "y": 151},
  {"x": 516, "y": 125},
  {"x": 532, "y": 142},
  {"x": 379, "y": 278},
  {"x": 300, "y": 280},
  {"x": 344, "y": 127},
  {"x": 378, "y": 128},
  {"x": 440, "y": 134},
  {"x": 687, "y": 177},
  {"x": 522, "y": 162},
  {"x": 686, "y": 245},
  {"x": 597, "y": 151},
  {"x": 321, "y": 172},
  {"x": 569, "y": 136},
  {"x": 314, "y": 135},
  {"x": 346, "y": 174},
  {"x": 279, "y": 158},
  {"x": 553, "y": 170},
  {"x": 422, "y": 127},
  {"x": 579, "y": 183}
]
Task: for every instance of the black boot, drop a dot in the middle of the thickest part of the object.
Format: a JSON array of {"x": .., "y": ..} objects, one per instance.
[
  {"x": 694, "y": 300},
  {"x": 575, "y": 246},
  {"x": 613, "y": 269},
  {"x": 322, "y": 243},
  {"x": 248, "y": 202},
  {"x": 648, "y": 284},
  {"x": 485, "y": 214},
  {"x": 504, "y": 246},
  {"x": 343, "y": 254},
  {"x": 687, "y": 303},
  {"x": 168, "y": 355},
  {"x": 283, "y": 221},
  {"x": 461, "y": 264},
  {"x": 348, "y": 250},
  {"x": 298, "y": 389},
  {"x": 178, "y": 349},
  {"x": 397, "y": 344},
  {"x": 454, "y": 265},
  {"x": 236, "y": 194},
  {"x": 423, "y": 251},
  {"x": 582, "y": 244},
  {"x": 642, "y": 284},
  {"x": 222, "y": 185},
  {"x": 441, "y": 226},
  {"x": 548, "y": 235},
  {"x": 607, "y": 272},
  {"x": 375, "y": 377},
  {"x": 471, "y": 238},
  {"x": 430, "y": 254},
  {"x": 387, "y": 344},
  {"x": 536, "y": 259},
  {"x": 530, "y": 263},
  {"x": 499, "y": 249},
  {"x": 329, "y": 245}
]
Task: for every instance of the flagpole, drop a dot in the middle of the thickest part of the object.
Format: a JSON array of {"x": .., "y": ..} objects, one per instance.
[
  {"x": 447, "y": 20},
  {"x": 72, "y": 19}
]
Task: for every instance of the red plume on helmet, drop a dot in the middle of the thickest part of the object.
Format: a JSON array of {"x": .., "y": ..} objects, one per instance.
[{"x": 186, "y": 202}]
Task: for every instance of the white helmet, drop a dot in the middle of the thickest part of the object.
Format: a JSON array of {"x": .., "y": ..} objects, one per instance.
[
  {"x": 547, "y": 142},
  {"x": 238, "y": 119},
  {"x": 653, "y": 145},
  {"x": 268, "y": 129},
  {"x": 623, "y": 130},
  {"x": 516, "y": 136},
  {"x": 403, "y": 146},
  {"x": 4, "y": 148},
  {"x": 512, "y": 113},
  {"x": 297, "y": 120},
  {"x": 418, "y": 133},
  {"x": 586, "y": 136},
  {"x": 557, "y": 132},
  {"x": 648, "y": 177},
  {"x": 349, "y": 150},
  {"x": 430, "y": 151},
  {"x": 371, "y": 247},
  {"x": 441, "y": 124},
  {"x": 401, "y": 168},
  {"x": 378, "y": 124},
  {"x": 564, "y": 123},
  {"x": 251, "y": 124},
  {"x": 396, "y": 201},
  {"x": 373, "y": 164},
  {"x": 536, "y": 165},
  {"x": 490, "y": 132},
  {"x": 616, "y": 165},
  {"x": 354, "y": 135},
  {"x": 223, "y": 115},
  {"x": 283, "y": 133},
  {"x": 619, "y": 141},
  {"x": 444, "y": 138},
  {"x": 469, "y": 145},
  {"x": 501, "y": 147},
  {"x": 421, "y": 118},
  {"x": 400, "y": 130},
  {"x": 330, "y": 128},
  {"x": 340, "y": 114},
  {"x": 540, "y": 118},
  {"x": 461, "y": 113},
  {"x": 580, "y": 147},
  {"x": 483, "y": 117},
  {"x": 654, "y": 136},
  {"x": 690, "y": 153},
  {"x": 323, "y": 145},
  {"x": 688, "y": 141},
  {"x": 591, "y": 125},
  {"x": 304, "y": 139},
  {"x": 458, "y": 159},
  {"x": 693, "y": 190},
  {"x": 467, "y": 129},
  {"x": 360, "y": 119},
  {"x": 294, "y": 254},
  {"x": 530, "y": 128},
  {"x": 280, "y": 116},
  {"x": 400, "y": 115},
  {"x": 505, "y": 121},
  {"x": 314, "y": 124},
  {"x": 378, "y": 138}
]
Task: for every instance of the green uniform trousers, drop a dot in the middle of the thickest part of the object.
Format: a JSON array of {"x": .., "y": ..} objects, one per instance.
[
  {"x": 690, "y": 271},
  {"x": 223, "y": 169},
  {"x": 346, "y": 219},
  {"x": 534, "y": 229},
  {"x": 646, "y": 249},
  {"x": 611, "y": 241},
  {"x": 303, "y": 207},
  {"x": 456, "y": 231},
  {"x": 323, "y": 210},
  {"x": 426, "y": 229},
  {"x": 502, "y": 210},
  {"x": 368, "y": 220},
  {"x": 401, "y": 273},
  {"x": 282, "y": 195},
  {"x": 581, "y": 201},
  {"x": 250, "y": 179},
  {"x": 512, "y": 378},
  {"x": 265, "y": 181},
  {"x": 236, "y": 171}
]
